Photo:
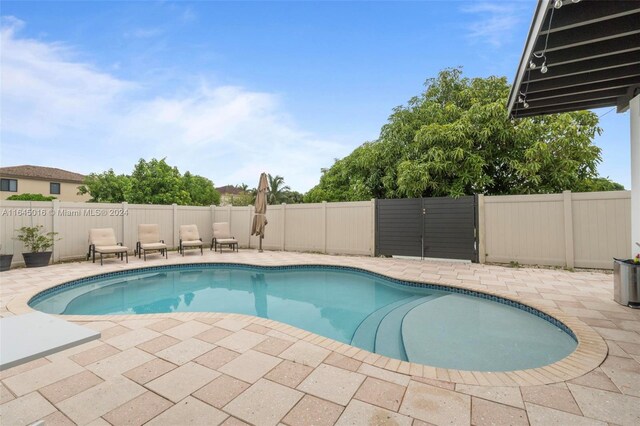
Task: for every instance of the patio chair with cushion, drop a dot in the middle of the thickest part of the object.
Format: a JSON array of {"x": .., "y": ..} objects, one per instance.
[
  {"x": 189, "y": 238},
  {"x": 149, "y": 240},
  {"x": 222, "y": 237},
  {"x": 103, "y": 241}
]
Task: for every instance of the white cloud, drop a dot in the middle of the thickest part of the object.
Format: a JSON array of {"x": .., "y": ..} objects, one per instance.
[
  {"x": 44, "y": 94},
  {"x": 495, "y": 21},
  {"x": 60, "y": 112}
]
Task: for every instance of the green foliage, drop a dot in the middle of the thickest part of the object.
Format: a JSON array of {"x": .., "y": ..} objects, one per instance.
[
  {"x": 245, "y": 198},
  {"x": 278, "y": 193},
  {"x": 106, "y": 187},
  {"x": 456, "y": 139},
  {"x": 356, "y": 177},
  {"x": 292, "y": 197},
  {"x": 156, "y": 182},
  {"x": 201, "y": 190},
  {"x": 599, "y": 184},
  {"x": 31, "y": 197},
  {"x": 34, "y": 239},
  {"x": 277, "y": 189},
  {"x": 151, "y": 182}
]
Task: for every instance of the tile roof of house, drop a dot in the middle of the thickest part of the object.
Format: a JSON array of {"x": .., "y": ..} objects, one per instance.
[
  {"x": 229, "y": 189},
  {"x": 43, "y": 173}
]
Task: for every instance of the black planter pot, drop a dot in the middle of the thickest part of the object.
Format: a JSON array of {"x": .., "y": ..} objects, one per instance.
[
  {"x": 36, "y": 260},
  {"x": 5, "y": 261}
]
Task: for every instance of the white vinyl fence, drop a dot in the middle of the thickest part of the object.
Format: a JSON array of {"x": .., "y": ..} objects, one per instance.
[
  {"x": 570, "y": 229},
  {"x": 338, "y": 228},
  {"x": 584, "y": 230}
]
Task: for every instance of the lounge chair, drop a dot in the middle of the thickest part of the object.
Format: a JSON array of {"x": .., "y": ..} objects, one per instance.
[
  {"x": 103, "y": 241},
  {"x": 149, "y": 240},
  {"x": 222, "y": 237},
  {"x": 189, "y": 238}
]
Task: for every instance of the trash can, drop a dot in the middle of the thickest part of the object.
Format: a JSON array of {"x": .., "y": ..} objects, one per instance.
[{"x": 626, "y": 283}]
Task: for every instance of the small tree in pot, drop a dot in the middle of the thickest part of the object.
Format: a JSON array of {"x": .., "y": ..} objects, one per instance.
[{"x": 37, "y": 242}]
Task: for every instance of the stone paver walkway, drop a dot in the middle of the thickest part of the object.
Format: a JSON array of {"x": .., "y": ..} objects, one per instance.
[{"x": 199, "y": 368}]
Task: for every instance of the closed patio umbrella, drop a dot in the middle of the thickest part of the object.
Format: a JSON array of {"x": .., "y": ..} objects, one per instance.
[{"x": 260, "y": 218}]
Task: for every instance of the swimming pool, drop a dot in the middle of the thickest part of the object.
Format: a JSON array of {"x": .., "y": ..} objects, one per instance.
[{"x": 428, "y": 324}]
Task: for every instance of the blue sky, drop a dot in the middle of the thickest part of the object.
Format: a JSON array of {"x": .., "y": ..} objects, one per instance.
[{"x": 229, "y": 89}]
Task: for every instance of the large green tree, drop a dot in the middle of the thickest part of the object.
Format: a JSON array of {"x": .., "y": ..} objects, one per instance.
[
  {"x": 106, "y": 187},
  {"x": 151, "y": 182},
  {"x": 456, "y": 139},
  {"x": 200, "y": 189},
  {"x": 156, "y": 182}
]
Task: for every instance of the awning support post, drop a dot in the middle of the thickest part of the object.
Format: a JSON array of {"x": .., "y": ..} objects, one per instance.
[{"x": 634, "y": 116}]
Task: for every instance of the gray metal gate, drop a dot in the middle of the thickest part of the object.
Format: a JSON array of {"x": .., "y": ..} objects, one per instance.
[{"x": 439, "y": 227}]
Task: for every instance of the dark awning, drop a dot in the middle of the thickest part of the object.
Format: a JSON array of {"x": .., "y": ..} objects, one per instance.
[{"x": 591, "y": 49}]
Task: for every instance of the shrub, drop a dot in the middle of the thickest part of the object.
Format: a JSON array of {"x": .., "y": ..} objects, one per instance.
[
  {"x": 31, "y": 197},
  {"x": 34, "y": 239}
]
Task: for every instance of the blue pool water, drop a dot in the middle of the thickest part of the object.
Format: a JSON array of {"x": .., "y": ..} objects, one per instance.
[{"x": 432, "y": 326}]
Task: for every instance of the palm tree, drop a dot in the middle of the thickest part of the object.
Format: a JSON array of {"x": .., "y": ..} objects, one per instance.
[{"x": 276, "y": 189}]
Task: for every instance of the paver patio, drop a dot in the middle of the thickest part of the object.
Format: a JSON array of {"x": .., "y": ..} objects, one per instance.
[{"x": 209, "y": 368}]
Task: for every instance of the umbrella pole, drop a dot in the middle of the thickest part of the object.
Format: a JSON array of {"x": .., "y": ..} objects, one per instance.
[{"x": 260, "y": 249}]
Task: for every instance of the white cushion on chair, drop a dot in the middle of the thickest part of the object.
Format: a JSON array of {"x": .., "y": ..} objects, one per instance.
[
  {"x": 226, "y": 241},
  {"x": 153, "y": 246},
  {"x": 111, "y": 249},
  {"x": 189, "y": 233},
  {"x": 221, "y": 230},
  {"x": 148, "y": 233},
  {"x": 102, "y": 237}
]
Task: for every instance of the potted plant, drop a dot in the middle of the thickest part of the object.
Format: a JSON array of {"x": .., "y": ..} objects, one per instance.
[
  {"x": 37, "y": 242},
  {"x": 5, "y": 261}
]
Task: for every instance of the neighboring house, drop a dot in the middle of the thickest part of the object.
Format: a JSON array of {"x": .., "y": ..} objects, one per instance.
[
  {"x": 226, "y": 194},
  {"x": 59, "y": 183}
]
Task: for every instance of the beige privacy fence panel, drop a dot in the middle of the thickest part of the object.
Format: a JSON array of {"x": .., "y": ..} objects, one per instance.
[
  {"x": 601, "y": 228},
  {"x": 341, "y": 228},
  {"x": 351, "y": 228},
  {"x": 304, "y": 227},
  {"x": 570, "y": 229}
]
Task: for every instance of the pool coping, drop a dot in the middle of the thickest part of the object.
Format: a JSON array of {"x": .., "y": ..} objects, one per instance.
[{"x": 588, "y": 355}]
